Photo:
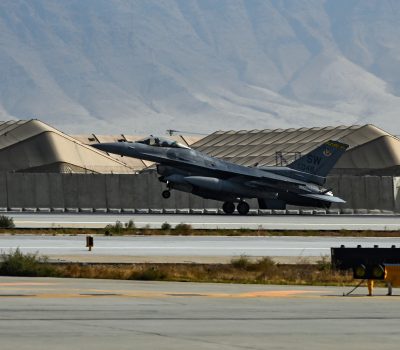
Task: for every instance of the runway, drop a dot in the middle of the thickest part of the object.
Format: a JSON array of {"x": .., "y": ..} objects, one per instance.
[
  {"x": 182, "y": 248},
  {"x": 267, "y": 222},
  {"x": 38, "y": 313}
]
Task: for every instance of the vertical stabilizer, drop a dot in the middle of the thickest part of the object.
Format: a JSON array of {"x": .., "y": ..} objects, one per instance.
[{"x": 321, "y": 160}]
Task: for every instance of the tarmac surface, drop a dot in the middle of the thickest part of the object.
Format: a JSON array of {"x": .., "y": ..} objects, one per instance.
[
  {"x": 205, "y": 249},
  {"x": 58, "y": 314},
  {"x": 272, "y": 222}
]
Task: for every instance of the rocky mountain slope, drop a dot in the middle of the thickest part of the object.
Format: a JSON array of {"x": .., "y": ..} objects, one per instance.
[{"x": 200, "y": 65}]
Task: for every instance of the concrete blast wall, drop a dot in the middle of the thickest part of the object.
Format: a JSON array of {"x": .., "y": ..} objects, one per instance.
[{"x": 45, "y": 190}]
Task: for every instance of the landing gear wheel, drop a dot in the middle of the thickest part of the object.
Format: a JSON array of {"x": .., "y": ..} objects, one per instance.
[
  {"x": 228, "y": 207},
  {"x": 166, "y": 194},
  {"x": 243, "y": 208}
]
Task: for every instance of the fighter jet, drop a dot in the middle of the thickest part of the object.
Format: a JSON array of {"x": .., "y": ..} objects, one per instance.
[{"x": 184, "y": 169}]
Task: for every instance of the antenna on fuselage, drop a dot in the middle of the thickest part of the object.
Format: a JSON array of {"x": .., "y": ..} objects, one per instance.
[{"x": 171, "y": 132}]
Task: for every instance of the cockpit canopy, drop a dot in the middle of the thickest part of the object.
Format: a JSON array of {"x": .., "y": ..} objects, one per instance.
[{"x": 162, "y": 142}]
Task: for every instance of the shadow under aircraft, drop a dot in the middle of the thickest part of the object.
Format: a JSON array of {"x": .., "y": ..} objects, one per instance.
[{"x": 184, "y": 169}]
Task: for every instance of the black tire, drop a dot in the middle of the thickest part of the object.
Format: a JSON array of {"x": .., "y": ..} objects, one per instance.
[
  {"x": 228, "y": 207},
  {"x": 243, "y": 208},
  {"x": 166, "y": 194}
]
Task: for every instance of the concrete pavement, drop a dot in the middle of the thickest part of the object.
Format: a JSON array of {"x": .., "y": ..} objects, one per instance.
[
  {"x": 267, "y": 222},
  {"x": 45, "y": 313},
  {"x": 183, "y": 248}
]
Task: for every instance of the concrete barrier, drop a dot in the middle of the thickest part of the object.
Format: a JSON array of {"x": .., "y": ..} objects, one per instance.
[
  {"x": 132, "y": 191},
  {"x": 56, "y": 191},
  {"x": 345, "y": 183},
  {"x": 183, "y": 211},
  {"x": 121, "y": 191},
  {"x": 347, "y": 211},
  {"x": 86, "y": 210},
  {"x": 21, "y": 190},
  {"x": 16, "y": 209},
  {"x": 387, "y": 193},
  {"x": 333, "y": 211},
  {"x": 29, "y": 210},
  {"x": 292, "y": 212},
  {"x": 196, "y": 211},
  {"x": 70, "y": 190},
  {"x": 264, "y": 211},
  {"x": 319, "y": 212},
  {"x": 361, "y": 211},
  {"x": 3, "y": 190},
  {"x": 396, "y": 194},
  {"x": 372, "y": 192},
  {"x": 128, "y": 211},
  {"x": 306, "y": 211},
  {"x": 91, "y": 191},
  {"x": 41, "y": 188}
]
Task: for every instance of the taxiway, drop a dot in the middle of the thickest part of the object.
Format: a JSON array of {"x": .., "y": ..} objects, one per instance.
[
  {"x": 267, "y": 222},
  {"x": 44, "y": 313},
  {"x": 182, "y": 248}
]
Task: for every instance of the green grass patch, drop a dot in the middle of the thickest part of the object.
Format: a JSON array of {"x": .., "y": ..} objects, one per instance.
[
  {"x": 15, "y": 263},
  {"x": 119, "y": 229},
  {"x": 243, "y": 262},
  {"x": 166, "y": 226},
  {"x": 6, "y": 222},
  {"x": 183, "y": 229}
]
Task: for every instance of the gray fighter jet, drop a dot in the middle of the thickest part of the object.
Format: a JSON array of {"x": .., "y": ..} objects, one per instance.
[{"x": 185, "y": 169}]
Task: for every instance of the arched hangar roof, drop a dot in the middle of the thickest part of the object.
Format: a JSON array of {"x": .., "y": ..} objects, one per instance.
[
  {"x": 372, "y": 150},
  {"x": 33, "y": 146}
]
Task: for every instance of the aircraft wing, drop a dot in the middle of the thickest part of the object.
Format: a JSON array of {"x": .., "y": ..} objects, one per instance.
[{"x": 269, "y": 178}]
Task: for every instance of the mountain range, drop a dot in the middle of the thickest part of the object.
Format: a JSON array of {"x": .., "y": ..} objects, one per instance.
[{"x": 145, "y": 66}]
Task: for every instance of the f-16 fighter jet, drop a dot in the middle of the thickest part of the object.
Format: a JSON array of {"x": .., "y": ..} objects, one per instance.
[{"x": 184, "y": 169}]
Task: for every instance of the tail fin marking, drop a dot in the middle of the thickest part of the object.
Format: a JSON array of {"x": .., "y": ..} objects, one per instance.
[{"x": 321, "y": 160}]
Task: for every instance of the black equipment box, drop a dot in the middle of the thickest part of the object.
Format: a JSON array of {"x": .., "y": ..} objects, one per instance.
[{"x": 365, "y": 262}]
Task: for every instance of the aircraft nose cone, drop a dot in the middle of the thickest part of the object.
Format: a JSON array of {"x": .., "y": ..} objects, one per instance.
[
  {"x": 107, "y": 147},
  {"x": 100, "y": 146}
]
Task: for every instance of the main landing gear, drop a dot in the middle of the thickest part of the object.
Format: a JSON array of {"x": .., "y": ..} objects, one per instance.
[
  {"x": 228, "y": 207},
  {"x": 242, "y": 208}
]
